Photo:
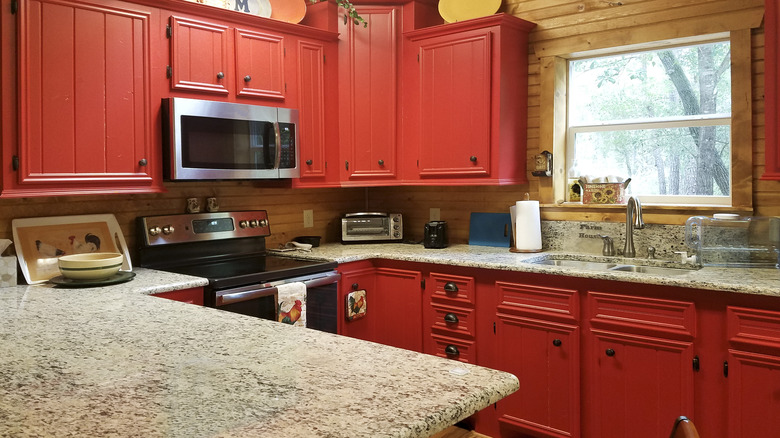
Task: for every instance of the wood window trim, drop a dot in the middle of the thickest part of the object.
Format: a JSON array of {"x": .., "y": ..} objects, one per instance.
[{"x": 552, "y": 133}]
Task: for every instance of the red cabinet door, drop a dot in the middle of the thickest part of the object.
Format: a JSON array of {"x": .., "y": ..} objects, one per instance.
[
  {"x": 753, "y": 372},
  {"x": 455, "y": 105},
  {"x": 84, "y": 97},
  {"x": 398, "y": 308},
  {"x": 260, "y": 64},
  {"x": 199, "y": 56},
  {"x": 368, "y": 99},
  {"x": 191, "y": 296}
]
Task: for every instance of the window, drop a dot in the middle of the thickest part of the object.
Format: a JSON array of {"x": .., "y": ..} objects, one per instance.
[{"x": 660, "y": 117}]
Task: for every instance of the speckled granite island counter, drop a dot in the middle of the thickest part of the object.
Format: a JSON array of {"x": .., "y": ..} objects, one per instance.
[
  {"x": 760, "y": 281},
  {"x": 112, "y": 361}
]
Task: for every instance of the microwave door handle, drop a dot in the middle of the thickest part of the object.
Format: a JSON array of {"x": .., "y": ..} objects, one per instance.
[{"x": 278, "y": 158}]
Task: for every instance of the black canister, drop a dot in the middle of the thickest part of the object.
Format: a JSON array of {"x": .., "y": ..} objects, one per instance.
[{"x": 435, "y": 234}]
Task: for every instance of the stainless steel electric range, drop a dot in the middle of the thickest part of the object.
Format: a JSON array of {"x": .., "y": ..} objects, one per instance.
[{"x": 228, "y": 248}]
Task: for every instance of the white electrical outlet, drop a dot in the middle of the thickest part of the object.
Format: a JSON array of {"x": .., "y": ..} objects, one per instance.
[
  {"x": 435, "y": 214},
  {"x": 308, "y": 218}
]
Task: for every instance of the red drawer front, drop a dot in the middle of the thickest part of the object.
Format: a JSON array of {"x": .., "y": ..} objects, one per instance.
[
  {"x": 754, "y": 329},
  {"x": 453, "y": 321},
  {"x": 453, "y": 289},
  {"x": 456, "y": 349}
]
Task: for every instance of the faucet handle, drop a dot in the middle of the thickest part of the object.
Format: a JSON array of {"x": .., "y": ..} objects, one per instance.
[
  {"x": 609, "y": 246},
  {"x": 650, "y": 252}
]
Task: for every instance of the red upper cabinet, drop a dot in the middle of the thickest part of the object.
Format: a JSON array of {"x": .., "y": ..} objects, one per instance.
[
  {"x": 223, "y": 59},
  {"x": 199, "y": 56},
  {"x": 260, "y": 64},
  {"x": 771, "y": 91},
  {"x": 468, "y": 99},
  {"x": 84, "y": 93},
  {"x": 369, "y": 96}
]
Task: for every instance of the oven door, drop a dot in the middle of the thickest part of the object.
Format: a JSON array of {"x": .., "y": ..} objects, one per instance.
[{"x": 261, "y": 301}]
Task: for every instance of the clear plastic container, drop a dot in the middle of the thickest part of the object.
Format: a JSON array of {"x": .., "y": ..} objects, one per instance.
[{"x": 734, "y": 241}]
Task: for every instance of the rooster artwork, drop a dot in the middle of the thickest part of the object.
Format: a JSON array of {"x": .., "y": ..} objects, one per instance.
[
  {"x": 292, "y": 315},
  {"x": 356, "y": 304}
]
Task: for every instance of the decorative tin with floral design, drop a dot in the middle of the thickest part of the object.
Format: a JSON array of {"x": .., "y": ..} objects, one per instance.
[{"x": 604, "y": 193}]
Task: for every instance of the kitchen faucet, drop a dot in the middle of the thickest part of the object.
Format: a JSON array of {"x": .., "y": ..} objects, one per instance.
[{"x": 633, "y": 220}]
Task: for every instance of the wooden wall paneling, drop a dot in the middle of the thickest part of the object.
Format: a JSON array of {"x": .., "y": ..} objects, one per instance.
[{"x": 741, "y": 119}]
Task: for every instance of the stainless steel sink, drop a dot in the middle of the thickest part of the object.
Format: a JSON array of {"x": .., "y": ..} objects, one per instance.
[
  {"x": 591, "y": 265},
  {"x": 655, "y": 270},
  {"x": 580, "y": 264}
]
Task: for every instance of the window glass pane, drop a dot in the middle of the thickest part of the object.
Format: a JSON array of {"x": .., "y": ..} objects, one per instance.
[
  {"x": 662, "y": 161},
  {"x": 659, "y": 84},
  {"x": 660, "y": 117}
]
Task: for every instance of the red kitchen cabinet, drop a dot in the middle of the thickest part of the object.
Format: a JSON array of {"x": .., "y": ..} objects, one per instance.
[
  {"x": 537, "y": 339},
  {"x": 753, "y": 372},
  {"x": 369, "y": 96},
  {"x": 84, "y": 93},
  {"x": 215, "y": 58},
  {"x": 639, "y": 363},
  {"x": 771, "y": 90},
  {"x": 393, "y": 304},
  {"x": 191, "y": 296},
  {"x": 199, "y": 56},
  {"x": 468, "y": 98},
  {"x": 318, "y": 134}
]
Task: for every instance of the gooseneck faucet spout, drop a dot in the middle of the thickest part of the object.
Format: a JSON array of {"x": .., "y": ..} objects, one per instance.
[{"x": 633, "y": 221}]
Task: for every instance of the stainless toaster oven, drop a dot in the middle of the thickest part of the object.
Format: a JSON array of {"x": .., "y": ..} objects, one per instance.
[{"x": 372, "y": 227}]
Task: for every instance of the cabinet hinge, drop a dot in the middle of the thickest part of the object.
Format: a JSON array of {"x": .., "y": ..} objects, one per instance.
[
  {"x": 168, "y": 71},
  {"x": 14, "y": 6},
  {"x": 285, "y": 87},
  {"x": 418, "y": 57},
  {"x": 726, "y": 369},
  {"x": 346, "y": 165},
  {"x": 696, "y": 365},
  {"x": 168, "y": 31},
  {"x": 324, "y": 58},
  {"x": 422, "y": 284},
  {"x": 494, "y": 327},
  {"x": 15, "y": 162}
]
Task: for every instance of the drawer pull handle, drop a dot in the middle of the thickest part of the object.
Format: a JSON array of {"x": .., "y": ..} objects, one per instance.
[
  {"x": 450, "y": 287},
  {"x": 451, "y": 351},
  {"x": 451, "y": 318},
  {"x": 610, "y": 352},
  {"x": 557, "y": 342}
]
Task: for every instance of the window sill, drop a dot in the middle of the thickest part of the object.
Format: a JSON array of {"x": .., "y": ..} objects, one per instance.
[{"x": 652, "y": 213}]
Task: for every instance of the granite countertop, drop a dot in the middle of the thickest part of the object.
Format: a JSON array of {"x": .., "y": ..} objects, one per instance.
[
  {"x": 113, "y": 361},
  {"x": 761, "y": 281}
]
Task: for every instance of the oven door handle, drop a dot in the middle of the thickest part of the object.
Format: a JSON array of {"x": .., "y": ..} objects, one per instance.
[
  {"x": 229, "y": 297},
  {"x": 245, "y": 295}
]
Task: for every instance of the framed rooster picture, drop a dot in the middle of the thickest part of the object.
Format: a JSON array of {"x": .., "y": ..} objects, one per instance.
[{"x": 41, "y": 241}]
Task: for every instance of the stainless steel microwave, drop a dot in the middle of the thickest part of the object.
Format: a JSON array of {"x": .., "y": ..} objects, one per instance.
[{"x": 210, "y": 140}]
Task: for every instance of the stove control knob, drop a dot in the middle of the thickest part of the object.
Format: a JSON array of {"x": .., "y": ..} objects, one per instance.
[
  {"x": 253, "y": 223},
  {"x": 243, "y": 224},
  {"x": 168, "y": 229},
  {"x": 154, "y": 231},
  {"x": 397, "y": 234},
  {"x": 263, "y": 223}
]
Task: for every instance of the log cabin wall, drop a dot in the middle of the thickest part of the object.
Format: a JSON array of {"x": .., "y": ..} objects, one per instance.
[
  {"x": 568, "y": 26},
  {"x": 284, "y": 205}
]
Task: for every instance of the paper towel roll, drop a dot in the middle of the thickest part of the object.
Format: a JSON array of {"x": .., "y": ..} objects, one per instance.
[{"x": 528, "y": 226}]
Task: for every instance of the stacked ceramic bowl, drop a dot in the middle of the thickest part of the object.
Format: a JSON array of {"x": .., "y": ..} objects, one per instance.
[{"x": 90, "y": 266}]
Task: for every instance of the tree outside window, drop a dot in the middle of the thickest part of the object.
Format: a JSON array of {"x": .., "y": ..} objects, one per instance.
[{"x": 660, "y": 117}]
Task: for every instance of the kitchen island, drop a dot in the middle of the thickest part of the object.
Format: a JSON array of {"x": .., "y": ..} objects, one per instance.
[{"x": 113, "y": 361}]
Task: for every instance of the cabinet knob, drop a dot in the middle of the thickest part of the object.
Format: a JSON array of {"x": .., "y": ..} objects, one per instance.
[
  {"x": 355, "y": 286},
  {"x": 143, "y": 162},
  {"x": 473, "y": 159},
  {"x": 309, "y": 162},
  {"x": 247, "y": 78},
  {"x": 450, "y": 287},
  {"x": 381, "y": 162},
  {"x": 610, "y": 352},
  {"x": 451, "y": 351},
  {"x": 451, "y": 318},
  {"x": 557, "y": 342},
  {"x": 220, "y": 75}
]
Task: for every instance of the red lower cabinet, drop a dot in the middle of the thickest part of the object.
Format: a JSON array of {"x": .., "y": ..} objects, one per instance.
[
  {"x": 537, "y": 340},
  {"x": 753, "y": 373},
  {"x": 192, "y": 296}
]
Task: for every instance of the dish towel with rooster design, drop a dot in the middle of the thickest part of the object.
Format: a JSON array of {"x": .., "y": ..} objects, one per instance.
[{"x": 292, "y": 303}]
